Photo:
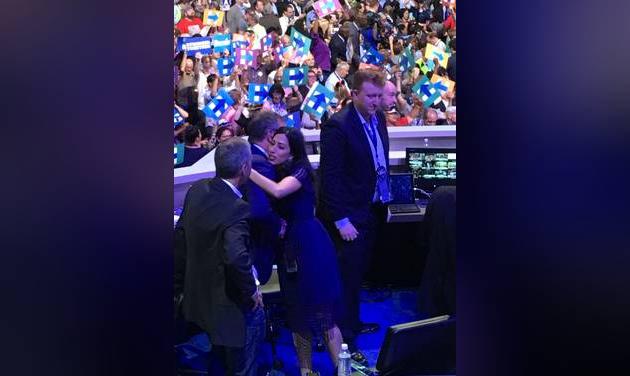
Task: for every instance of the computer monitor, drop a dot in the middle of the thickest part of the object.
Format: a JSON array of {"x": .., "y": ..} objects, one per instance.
[
  {"x": 432, "y": 167},
  {"x": 425, "y": 347}
]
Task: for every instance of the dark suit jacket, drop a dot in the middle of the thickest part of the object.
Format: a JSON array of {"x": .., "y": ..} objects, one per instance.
[
  {"x": 438, "y": 14},
  {"x": 265, "y": 223},
  {"x": 217, "y": 270},
  {"x": 436, "y": 295},
  {"x": 348, "y": 178},
  {"x": 451, "y": 67},
  {"x": 337, "y": 50}
]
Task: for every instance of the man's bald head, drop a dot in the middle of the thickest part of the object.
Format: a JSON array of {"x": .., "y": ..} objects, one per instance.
[{"x": 388, "y": 100}]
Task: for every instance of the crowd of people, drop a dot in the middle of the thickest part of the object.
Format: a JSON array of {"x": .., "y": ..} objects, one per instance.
[
  {"x": 410, "y": 41},
  {"x": 262, "y": 208}
]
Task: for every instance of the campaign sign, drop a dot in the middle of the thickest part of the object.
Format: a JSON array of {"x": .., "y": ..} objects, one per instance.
[
  {"x": 213, "y": 18},
  {"x": 178, "y": 118},
  {"x": 317, "y": 100},
  {"x": 194, "y": 45},
  {"x": 442, "y": 83},
  {"x": 431, "y": 52}
]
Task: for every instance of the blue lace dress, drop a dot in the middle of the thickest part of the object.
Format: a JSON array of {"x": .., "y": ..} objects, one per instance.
[{"x": 312, "y": 291}]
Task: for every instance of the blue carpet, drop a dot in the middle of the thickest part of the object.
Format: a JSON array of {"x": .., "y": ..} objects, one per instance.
[{"x": 386, "y": 307}]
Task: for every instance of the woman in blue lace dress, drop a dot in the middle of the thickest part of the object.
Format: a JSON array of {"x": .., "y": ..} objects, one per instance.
[{"x": 309, "y": 274}]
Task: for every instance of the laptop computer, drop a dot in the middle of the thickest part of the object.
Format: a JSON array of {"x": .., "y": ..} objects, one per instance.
[{"x": 401, "y": 189}]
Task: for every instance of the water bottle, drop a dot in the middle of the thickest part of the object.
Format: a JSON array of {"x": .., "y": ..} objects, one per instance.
[{"x": 344, "y": 368}]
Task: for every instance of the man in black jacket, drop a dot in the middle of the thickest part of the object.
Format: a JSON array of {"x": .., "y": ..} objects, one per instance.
[
  {"x": 440, "y": 10},
  {"x": 436, "y": 295},
  {"x": 220, "y": 288},
  {"x": 354, "y": 180},
  {"x": 265, "y": 223},
  {"x": 338, "y": 46}
]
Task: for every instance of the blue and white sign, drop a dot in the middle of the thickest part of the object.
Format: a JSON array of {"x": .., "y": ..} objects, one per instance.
[
  {"x": 317, "y": 100},
  {"x": 194, "y": 45},
  {"x": 177, "y": 117},
  {"x": 427, "y": 93},
  {"x": 178, "y": 153},
  {"x": 293, "y": 120},
  {"x": 294, "y": 76},
  {"x": 257, "y": 93},
  {"x": 300, "y": 42},
  {"x": 222, "y": 42},
  {"x": 225, "y": 66},
  {"x": 219, "y": 105},
  {"x": 372, "y": 56}
]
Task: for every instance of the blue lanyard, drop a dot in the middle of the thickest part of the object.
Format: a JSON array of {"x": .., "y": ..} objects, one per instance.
[{"x": 372, "y": 134}]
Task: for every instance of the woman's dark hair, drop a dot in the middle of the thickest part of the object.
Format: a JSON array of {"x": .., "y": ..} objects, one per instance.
[
  {"x": 276, "y": 88},
  {"x": 222, "y": 130},
  {"x": 297, "y": 149}
]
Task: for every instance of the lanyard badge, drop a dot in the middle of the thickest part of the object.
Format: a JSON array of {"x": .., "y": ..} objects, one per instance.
[{"x": 382, "y": 180}]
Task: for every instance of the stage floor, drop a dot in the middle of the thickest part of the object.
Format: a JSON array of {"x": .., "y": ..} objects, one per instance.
[{"x": 384, "y": 306}]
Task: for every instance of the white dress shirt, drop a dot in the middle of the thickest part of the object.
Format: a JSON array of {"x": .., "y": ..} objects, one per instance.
[{"x": 332, "y": 81}]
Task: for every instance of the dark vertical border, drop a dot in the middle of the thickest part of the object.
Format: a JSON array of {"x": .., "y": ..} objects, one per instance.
[
  {"x": 87, "y": 188},
  {"x": 87, "y": 226},
  {"x": 542, "y": 247}
]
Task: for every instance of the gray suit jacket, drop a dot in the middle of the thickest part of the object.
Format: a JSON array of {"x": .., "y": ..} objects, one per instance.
[
  {"x": 235, "y": 19},
  {"x": 354, "y": 37}
]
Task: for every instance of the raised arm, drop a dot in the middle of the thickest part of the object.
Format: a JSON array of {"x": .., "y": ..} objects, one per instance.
[
  {"x": 183, "y": 112},
  {"x": 182, "y": 65},
  {"x": 296, "y": 91},
  {"x": 278, "y": 190}
]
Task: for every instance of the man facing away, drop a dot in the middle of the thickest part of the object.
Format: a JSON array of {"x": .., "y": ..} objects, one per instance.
[
  {"x": 354, "y": 180},
  {"x": 235, "y": 17},
  {"x": 221, "y": 294}
]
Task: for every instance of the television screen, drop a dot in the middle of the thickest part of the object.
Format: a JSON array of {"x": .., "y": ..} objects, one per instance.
[{"x": 432, "y": 168}]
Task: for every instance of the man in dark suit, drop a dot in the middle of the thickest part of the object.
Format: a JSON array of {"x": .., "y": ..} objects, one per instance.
[
  {"x": 265, "y": 223},
  {"x": 353, "y": 45},
  {"x": 451, "y": 65},
  {"x": 338, "y": 46},
  {"x": 354, "y": 180},
  {"x": 220, "y": 288},
  {"x": 440, "y": 10}
]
